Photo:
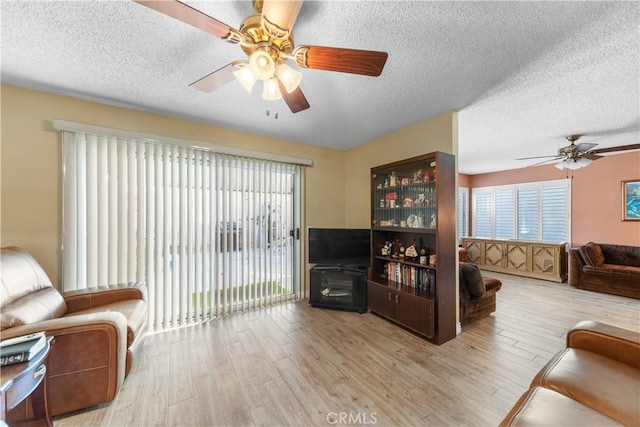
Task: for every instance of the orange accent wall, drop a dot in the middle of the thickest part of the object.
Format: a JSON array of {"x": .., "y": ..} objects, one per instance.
[
  {"x": 596, "y": 196},
  {"x": 463, "y": 180}
]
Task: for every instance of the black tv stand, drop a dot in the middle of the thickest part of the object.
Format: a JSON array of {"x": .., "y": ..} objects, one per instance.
[{"x": 339, "y": 287}]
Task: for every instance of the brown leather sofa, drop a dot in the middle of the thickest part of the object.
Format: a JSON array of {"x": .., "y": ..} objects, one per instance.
[
  {"x": 594, "y": 381},
  {"x": 95, "y": 330},
  {"x": 600, "y": 267},
  {"x": 477, "y": 293}
]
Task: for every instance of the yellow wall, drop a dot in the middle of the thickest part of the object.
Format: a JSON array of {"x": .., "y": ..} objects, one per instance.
[
  {"x": 30, "y": 156},
  {"x": 30, "y": 159},
  {"x": 439, "y": 133}
]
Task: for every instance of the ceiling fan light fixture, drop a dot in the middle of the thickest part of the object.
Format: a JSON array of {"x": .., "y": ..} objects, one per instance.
[
  {"x": 262, "y": 65},
  {"x": 289, "y": 77},
  {"x": 246, "y": 77},
  {"x": 573, "y": 163},
  {"x": 270, "y": 90},
  {"x": 583, "y": 162}
]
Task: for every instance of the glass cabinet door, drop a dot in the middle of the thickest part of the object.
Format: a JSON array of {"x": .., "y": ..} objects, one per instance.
[{"x": 405, "y": 196}]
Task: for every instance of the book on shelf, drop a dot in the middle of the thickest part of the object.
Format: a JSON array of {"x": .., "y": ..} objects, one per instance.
[
  {"x": 21, "y": 349},
  {"x": 414, "y": 277}
]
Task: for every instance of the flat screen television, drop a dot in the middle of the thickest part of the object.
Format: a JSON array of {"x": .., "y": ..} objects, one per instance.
[{"x": 340, "y": 246}]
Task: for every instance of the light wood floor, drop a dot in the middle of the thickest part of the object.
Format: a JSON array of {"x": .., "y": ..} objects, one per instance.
[{"x": 294, "y": 365}]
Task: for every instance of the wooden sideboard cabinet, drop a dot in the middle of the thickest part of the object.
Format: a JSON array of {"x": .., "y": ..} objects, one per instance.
[{"x": 539, "y": 260}]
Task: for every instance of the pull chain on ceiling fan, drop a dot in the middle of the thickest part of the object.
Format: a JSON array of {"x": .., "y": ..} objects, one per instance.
[
  {"x": 578, "y": 156},
  {"x": 266, "y": 38}
]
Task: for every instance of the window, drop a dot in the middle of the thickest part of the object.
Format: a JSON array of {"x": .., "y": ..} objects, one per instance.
[
  {"x": 463, "y": 212},
  {"x": 504, "y": 213},
  {"x": 209, "y": 233},
  {"x": 483, "y": 214},
  {"x": 534, "y": 211}
]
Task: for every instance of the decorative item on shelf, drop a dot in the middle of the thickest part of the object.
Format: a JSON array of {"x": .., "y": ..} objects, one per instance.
[
  {"x": 419, "y": 201},
  {"x": 386, "y": 183},
  {"x": 434, "y": 170},
  {"x": 423, "y": 255},
  {"x": 391, "y": 200},
  {"x": 412, "y": 221},
  {"x": 379, "y": 186},
  {"x": 396, "y": 248},
  {"x": 386, "y": 249},
  {"x": 393, "y": 179},
  {"x": 382, "y": 203},
  {"x": 433, "y": 224},
  {"x": 401, "y": 255},
  {"x": 405, "y": 181},
  {"x": 432, "y": 260},
  {"x": 417, "y": 176},
  {"x": 411, "y": 254},
  {"x": 408, "y": 202}
]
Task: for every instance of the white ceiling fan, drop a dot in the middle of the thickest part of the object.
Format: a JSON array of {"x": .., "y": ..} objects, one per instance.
[{"x": 578, "y": 156}]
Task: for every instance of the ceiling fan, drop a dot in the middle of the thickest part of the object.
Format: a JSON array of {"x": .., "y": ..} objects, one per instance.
[
  {"x": 266, "y": 38},
  {"x": 578, "y": 156}
]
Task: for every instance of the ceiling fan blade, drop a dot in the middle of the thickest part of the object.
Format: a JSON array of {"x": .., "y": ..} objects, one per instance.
[
  {"x": 295, "y": 100},
  {"x": 215, "y": 80},
  {"x": 618, "y": 148},
  {"x": 365, "y": 62},
  {"x": 584, "y": 146},
  {"x": 539, "y": 157},
  {"x": 189, "y": 15},
  {"x": 546, "y": 161},
  {"x": 279, "y": 16},
  {"x": 592, "y": 156}
]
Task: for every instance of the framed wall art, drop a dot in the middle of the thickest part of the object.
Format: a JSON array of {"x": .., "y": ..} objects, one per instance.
[{"x": 631, "y": 200}]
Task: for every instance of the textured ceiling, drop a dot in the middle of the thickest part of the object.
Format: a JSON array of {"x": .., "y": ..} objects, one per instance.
[{"x": 522, "y": 74}]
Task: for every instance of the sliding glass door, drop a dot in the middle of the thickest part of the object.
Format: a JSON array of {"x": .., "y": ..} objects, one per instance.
[{"x": 209, "y": 233}]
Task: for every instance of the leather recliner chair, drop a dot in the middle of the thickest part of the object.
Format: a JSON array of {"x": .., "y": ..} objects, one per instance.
[{"x": 95, "y": 330}]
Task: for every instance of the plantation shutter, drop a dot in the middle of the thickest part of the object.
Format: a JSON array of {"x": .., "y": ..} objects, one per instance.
[
  {"x": 504, "y": 213},
  {"x": 483, "y": 215}
]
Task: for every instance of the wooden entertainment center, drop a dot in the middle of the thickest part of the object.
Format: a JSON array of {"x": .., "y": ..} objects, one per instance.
[{"x": 412, "y": 278}]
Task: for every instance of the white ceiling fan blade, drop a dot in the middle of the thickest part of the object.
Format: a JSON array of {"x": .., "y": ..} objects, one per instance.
[
  {"x": 279, "y": 16},
  {"x": 584, "y": 146}
]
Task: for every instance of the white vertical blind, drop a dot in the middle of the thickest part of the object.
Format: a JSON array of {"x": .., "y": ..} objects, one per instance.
[{"x": 209, "y": 233}]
